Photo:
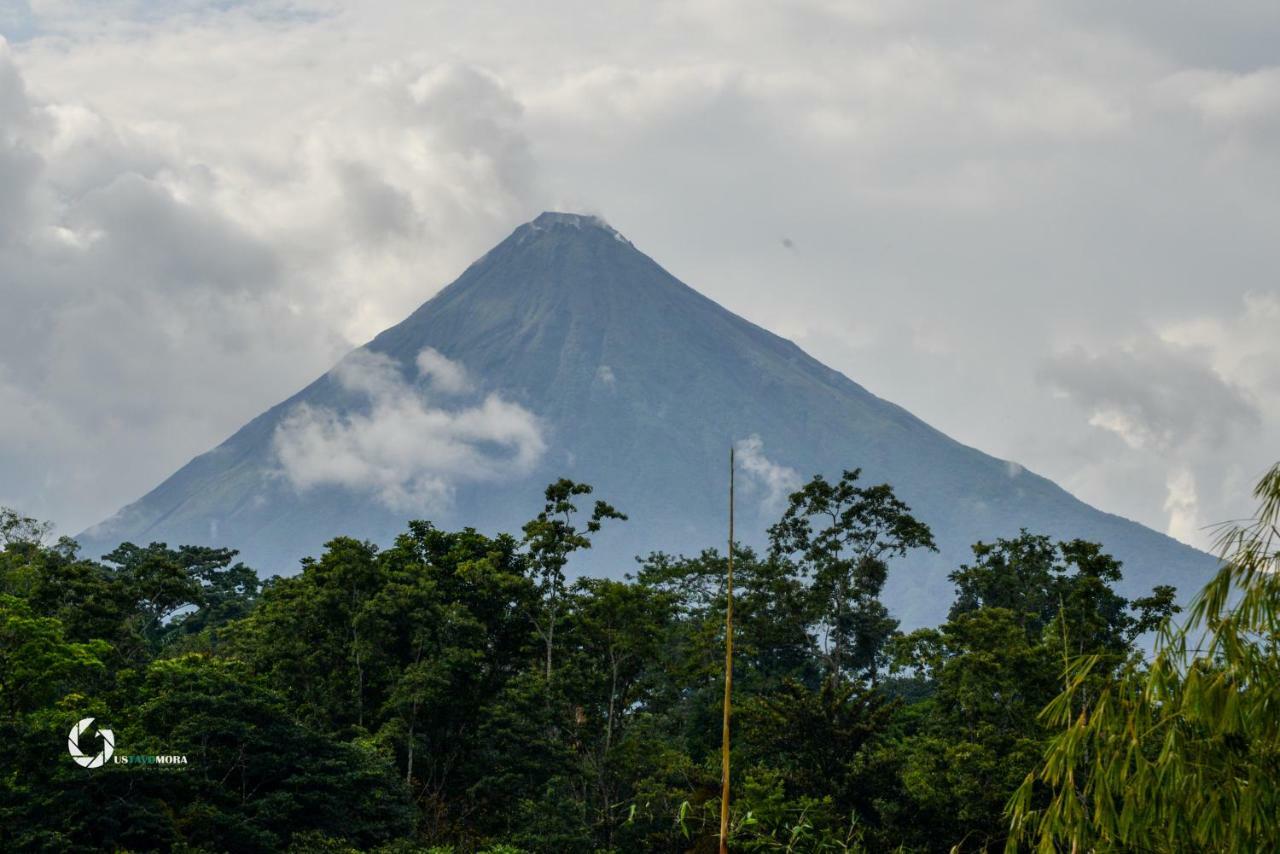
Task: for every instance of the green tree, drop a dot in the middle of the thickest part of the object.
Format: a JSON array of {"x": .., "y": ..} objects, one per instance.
[
  {"x": 448, "y": 624},
  {"x": 415, "y": 649},
  {"x": 1042, "y": 583},
  {"x": 1021, "y": 606},
  {"x": 772, "y": 638},
  {"x": 16, "y": 529},
  {"x": 818, "y": 741},
  {"x": 178, "y": 593},
  {"x": 1183, "y": 753},
  {"x": 88, "y": 599},
  {"x": 843, "y": 534},
  {"x": 772, "y": 615},
  {"x": 160, "y": 584},
  {"x": 253, "y": 779},
  {"x": 614, "y": 632},
  {"x": 256, "y": 776},
  {"x": 551, "y": 538},
  {"x": 38, "y": 666},
  {"x": 305, "y": 635}
]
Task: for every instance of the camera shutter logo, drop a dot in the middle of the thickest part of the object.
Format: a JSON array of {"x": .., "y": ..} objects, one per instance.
[{"x": 98, "y": 760}]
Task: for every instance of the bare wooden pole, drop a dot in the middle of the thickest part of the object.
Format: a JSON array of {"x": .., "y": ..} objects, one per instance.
[{"x": 728, "y": 679}]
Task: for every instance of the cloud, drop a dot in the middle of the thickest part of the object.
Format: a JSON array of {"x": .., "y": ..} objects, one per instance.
[
  {"x": 1183, "y": 507},
  {"x": 405, "y": 451},
  {"x": 1239, "y": 100},
  {"x": 605, "y": 376},
  {"x": 1242, "y": 345},
  {"x": 1153, "y": 395},
  {"x": 161, "y": 283},
  {"x": 443, "y": 375},
  {"x": 1186, "y": 399},
  {"x": 775, "y": 482}
]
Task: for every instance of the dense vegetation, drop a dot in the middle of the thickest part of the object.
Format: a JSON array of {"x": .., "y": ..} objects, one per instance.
[{"x": 457, "y": 692}]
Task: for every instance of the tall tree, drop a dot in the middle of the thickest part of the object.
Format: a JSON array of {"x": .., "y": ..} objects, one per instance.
[
  {"x": 306, "y": 634},
  {"x": 614, "y": 632},
  {"x": 1021, "y": 606},
  {"x": 180, "y": 592},
  {"x": 38, "y": 666},
  {"x": 843, "y": 535},
  {"x": 18, "y": 529},
  {"x": 550, "y": 538}
]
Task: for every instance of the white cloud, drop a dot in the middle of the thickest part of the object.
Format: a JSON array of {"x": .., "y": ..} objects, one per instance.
[
  {"x": 1154, "y": 395},
  {"x": 775, "y": 482},
  {"x": 1236, "y": 99},
  {"x": 1196, "y": 401},
  {"x": 1243, "y": 345},
  {"x": 1183, "y": 505},
  {"x": 604, "y": 374},
  {"x": 405, "y": 451},
  {"x": 444, "y": 375}
]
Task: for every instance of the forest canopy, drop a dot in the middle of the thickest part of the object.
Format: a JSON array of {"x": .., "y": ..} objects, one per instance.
[{"x": 459, "y": 692}]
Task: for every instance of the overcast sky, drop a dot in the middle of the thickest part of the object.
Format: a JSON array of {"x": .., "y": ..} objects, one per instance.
[{"x": 1050, "y": 229}]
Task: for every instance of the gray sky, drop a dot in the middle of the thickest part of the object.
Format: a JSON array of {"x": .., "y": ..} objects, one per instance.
[{"x": 1050, "y": 229}]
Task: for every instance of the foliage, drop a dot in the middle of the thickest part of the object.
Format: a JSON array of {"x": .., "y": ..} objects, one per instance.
[
  {"x": 458, "y": 692},
  {"x": 551, "y": 537},
  {"x": 845, "y": 557},
  {"x": 1183, "y": 753}
]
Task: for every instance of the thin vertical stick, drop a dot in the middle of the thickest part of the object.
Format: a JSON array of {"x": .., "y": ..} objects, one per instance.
[{"x": 728, "y": 678}]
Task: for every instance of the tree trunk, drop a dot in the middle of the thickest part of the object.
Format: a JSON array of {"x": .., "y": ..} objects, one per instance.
[
  {"x": 551, "y": 634},
  {"x": 613, "y": 692},
  {"x": 355, "y": 644},
  {"x": 837, "y": 649},
  {"x": 413, "y": 719}
]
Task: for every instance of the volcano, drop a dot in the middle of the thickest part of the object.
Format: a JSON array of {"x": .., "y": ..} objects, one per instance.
[{"x": 566, "y": 351}]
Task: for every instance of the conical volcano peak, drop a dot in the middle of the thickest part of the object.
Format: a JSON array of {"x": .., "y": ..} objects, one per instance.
[
  {"x": 567, "y": 341},
  {"x": 549, "y": 221}
]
